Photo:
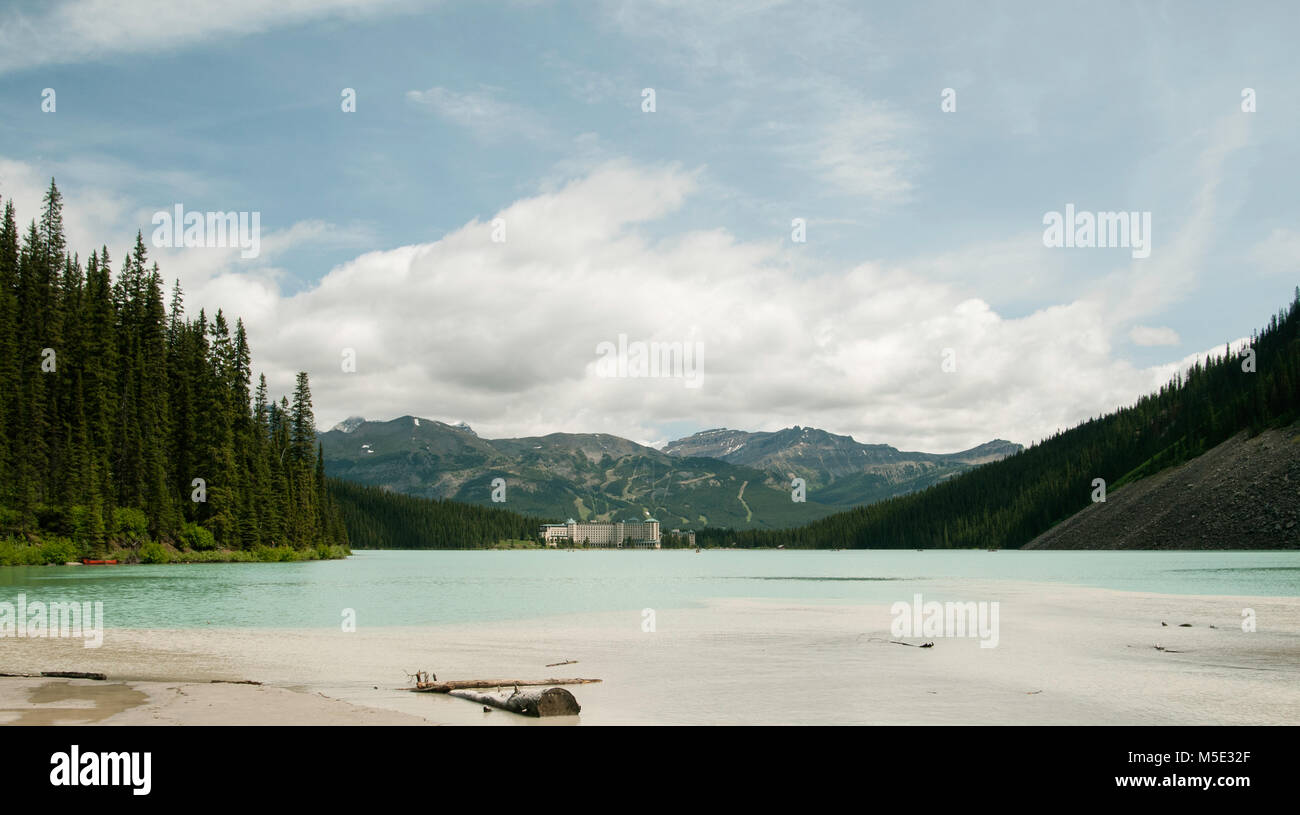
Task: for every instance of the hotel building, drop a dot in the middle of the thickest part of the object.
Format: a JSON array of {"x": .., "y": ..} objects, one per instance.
[{"x": 618, "y": 535}]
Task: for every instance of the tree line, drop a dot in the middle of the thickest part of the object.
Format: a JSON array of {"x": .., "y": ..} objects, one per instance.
[
  {"x": 378, "y": 518},
  {"x": 123, "y": 420},
  {"x": 1008, "y": 503}
]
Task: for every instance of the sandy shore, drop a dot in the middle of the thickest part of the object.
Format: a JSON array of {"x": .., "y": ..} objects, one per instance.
[
  {"x": 1066, "y": 655},
  {"x": 40, "y": 701}
]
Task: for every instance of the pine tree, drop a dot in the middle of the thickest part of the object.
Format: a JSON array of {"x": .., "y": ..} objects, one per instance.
[
  {"x": 10, "y": 386},
  {"x": 112, "y": 402}
]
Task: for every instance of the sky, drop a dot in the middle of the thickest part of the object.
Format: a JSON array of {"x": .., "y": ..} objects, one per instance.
[{"x": 501, "y": 199}]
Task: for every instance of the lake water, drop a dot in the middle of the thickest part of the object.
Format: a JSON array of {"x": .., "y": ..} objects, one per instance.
[
  {"x": 421, "y": 588},
  {"x": 781, "y": 637}
]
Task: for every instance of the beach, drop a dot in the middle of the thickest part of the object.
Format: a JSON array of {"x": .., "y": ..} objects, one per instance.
[
  {"x": 1064, "y": 655},
  {"x": 51, "y": 701}
]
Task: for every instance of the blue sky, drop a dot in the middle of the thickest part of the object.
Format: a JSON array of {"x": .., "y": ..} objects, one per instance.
[{"x": 924, "y": 226}]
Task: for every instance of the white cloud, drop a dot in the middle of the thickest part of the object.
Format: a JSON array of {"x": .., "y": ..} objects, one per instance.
[
  {"x": 1014, "y": 270},
  {"x": 505, "y": 335},
  {"x": 1148, "y": 335},
  {"x": 482, "y": 111},
  {"x": 861, "y": 151},
  {"x": 79, "y": 30},
  {"x": 1167, "y": 371},
  {"x": 1146, "y": 286},
  {"x": 90, "y": 217},
  {"x": 748, "y": 64}
]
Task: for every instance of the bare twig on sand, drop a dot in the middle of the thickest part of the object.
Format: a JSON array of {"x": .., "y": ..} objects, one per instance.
[{"x": 565, "y": 662}]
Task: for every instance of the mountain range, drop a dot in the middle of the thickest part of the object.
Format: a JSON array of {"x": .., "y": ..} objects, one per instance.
[
  {"x": 837, "y": 470},
  {"x": 1208, "y": 461},
  {"x": 719, "y": 478}
]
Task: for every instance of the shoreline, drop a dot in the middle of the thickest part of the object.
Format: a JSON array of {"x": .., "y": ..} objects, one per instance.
[
  {"x": 57, "y": 551},
  {"x": 1068, "y": 655}
]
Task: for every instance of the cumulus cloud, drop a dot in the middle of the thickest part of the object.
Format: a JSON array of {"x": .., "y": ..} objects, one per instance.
[
  {"x": 95, "y": 216},
  {"x": 505, "y": 334}
]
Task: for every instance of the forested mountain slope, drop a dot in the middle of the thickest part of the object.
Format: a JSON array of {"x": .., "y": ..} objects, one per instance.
[
  {"x": 1010, "y": 502},
  {"x": 1242, "y": 494}
]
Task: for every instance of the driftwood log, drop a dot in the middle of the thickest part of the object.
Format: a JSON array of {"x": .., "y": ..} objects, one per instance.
[
  {"x": 465, "y": 684},
  {"x": 75, "y": 675},
  {"x": 549, "y": 702}
]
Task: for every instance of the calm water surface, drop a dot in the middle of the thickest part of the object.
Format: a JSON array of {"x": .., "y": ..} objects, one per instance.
[{"x": 395, "y": 588}]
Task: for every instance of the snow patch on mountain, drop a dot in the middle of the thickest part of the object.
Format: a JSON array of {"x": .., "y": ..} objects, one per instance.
[{"x": 349, "y": 424}]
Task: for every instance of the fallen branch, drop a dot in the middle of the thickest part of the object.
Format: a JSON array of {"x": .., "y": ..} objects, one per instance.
[
  {"x": 565, "y": 662},
  {"x": 234, "y": 682},
  {"x": 549, "y": 702},
  {"x": 460, "y": 684}
]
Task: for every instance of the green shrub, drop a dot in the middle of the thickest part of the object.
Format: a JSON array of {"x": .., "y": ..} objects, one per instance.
[
  {"x": 197, "y": 538},
  {"x": 130, "y": 523},
  {"x": 18, "y": 552},
  {"x": 58, "y": 550},
  {"x": 153, "y": 552},
  {"x": 276, "y": 554},
  {"x": 281, "y": 554},
  {"x": 213, "y": 556}
]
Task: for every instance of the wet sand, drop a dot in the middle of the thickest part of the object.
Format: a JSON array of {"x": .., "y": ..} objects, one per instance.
[
  {"x": 42, "y": 701},
  {"x": 1067, "y": 655}
]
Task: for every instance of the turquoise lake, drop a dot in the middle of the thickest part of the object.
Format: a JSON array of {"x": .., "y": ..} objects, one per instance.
[{"x": 392, "y": 588}]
